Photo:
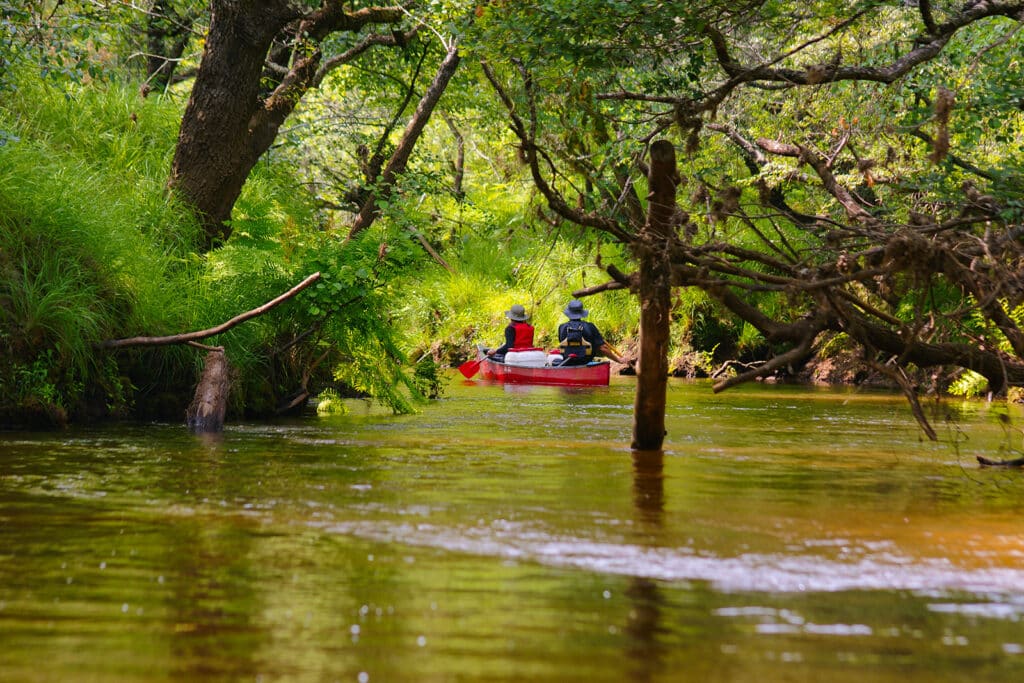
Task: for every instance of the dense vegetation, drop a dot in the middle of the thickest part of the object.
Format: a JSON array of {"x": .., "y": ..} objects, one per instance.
[
  {"x": 93, "y": 248},
  {"x": 810, "y": 189}
]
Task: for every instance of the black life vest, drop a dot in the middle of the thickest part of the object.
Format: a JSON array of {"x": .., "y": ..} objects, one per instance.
[{"x": 575, "y": 343}]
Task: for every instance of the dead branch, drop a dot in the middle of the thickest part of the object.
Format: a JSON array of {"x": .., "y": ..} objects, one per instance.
[
  {"x": 730, "y": 364},
  {"x": 188, "y": 337},
  {"x": 303, "y": 393},
  {"x": 430, "y": 250},
  {"x": 797, "y": 353},
  {"x": 896, "y": 374}
]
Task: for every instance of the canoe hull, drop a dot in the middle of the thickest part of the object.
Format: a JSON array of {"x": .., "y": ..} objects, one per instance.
[{"x": 592, "y": 375}]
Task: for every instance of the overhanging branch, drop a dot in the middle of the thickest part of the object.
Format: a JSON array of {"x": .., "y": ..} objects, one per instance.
[{"x": 189, "y": 337}]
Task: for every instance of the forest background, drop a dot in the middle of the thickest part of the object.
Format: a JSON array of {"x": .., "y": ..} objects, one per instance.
[{"x": 849, "y": 192}]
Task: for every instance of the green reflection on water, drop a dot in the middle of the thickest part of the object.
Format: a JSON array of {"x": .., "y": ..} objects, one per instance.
[{"x": 785, "y": 534}]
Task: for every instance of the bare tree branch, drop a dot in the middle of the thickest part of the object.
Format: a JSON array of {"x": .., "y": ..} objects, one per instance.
[{"x": 189, "y": 337}]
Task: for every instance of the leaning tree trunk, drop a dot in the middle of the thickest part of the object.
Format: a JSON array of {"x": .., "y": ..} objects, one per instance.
[
  {"x": 655, "y": 300},
  {"x": 400, "y": 158},
  {"x": 216, "y": 143},
  {"x": 238, "y": 104}
]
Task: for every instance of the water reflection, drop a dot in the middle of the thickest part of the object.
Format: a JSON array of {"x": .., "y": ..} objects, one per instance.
[
  {"x": 212, "y": 441},
  {"x": 781, "y": 535},
  {"x": 649, "y": 487},
  {"x": 643, "y": 624}
]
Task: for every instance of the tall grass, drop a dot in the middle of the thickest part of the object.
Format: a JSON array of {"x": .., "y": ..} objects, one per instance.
[{"x": 89, "y": 246}]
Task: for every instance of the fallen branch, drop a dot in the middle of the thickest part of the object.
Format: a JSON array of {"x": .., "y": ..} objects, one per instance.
[
  {"x": 1016, "y": 462},
  {"x": 897, "y": 374},
  {"x": 302, "y": 394},
  {"x": 732, "y": 364},
  {"x": 189, "y": 337},
  {"x": 795, "y": 354},
  {"x": 430, "y": 250}
]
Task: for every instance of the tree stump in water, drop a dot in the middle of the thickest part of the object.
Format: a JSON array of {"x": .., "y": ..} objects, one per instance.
[
  {"x": 655, "y": 292},
  {"x": 206, "y": 412}
]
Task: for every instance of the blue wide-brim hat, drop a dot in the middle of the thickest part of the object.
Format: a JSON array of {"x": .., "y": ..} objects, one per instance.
[{"x": 575, "y": 310}]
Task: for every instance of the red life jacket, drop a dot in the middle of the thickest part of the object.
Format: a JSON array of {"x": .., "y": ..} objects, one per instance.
[{"x": 524, "y": 335}]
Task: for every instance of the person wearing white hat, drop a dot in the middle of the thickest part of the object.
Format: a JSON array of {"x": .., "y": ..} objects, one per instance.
[{"x": 518, "y": 332}]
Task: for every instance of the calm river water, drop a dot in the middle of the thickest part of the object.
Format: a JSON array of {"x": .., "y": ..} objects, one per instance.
[{"x": 786, "y": 534}]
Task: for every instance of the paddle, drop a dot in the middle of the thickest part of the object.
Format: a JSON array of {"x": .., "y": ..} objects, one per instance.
[
  {"x": 630, "y": 363},
  {"x": 470, "y": 367}
]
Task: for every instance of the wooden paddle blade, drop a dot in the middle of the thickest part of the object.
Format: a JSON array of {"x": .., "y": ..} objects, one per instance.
[{"x": 469, "y": 368}]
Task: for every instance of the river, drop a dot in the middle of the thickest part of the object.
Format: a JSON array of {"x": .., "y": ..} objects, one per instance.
[{"x": 509, "y": 534}]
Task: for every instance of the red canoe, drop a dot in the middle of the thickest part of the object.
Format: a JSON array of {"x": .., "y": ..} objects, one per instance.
[{"x": 594, "y": 374}]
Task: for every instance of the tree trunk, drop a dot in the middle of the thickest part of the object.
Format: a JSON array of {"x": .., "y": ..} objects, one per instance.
[
  {"x": 238, "y": 104},
  {"x": 217, "y": 145},
  {"x": 400, "y": 158},
  {"x": 206, "y": 412},
  {"x": 655, "y": 291}
]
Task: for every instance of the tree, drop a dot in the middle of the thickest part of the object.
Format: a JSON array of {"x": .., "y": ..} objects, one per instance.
[
  {"x": 259, "y": 59},
  {"x": 806, "y": 189}
]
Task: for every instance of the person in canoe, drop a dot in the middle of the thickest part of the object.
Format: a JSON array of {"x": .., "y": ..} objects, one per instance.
[
  {"x": 580, "y": 340},
  {"x": 518, "y": 333}
]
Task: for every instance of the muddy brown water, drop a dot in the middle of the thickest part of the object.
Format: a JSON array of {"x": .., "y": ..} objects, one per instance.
[{"x": 509, "y": 534}]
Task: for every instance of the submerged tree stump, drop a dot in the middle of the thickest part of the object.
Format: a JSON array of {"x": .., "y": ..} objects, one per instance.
[{"x": 209, "y": 405}]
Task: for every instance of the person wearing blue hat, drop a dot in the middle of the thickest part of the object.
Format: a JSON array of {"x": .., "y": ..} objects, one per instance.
[{"x": 580, "y": 340}]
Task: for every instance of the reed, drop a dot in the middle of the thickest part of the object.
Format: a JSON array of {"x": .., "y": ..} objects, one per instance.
[{"x": 89, "y": 246}]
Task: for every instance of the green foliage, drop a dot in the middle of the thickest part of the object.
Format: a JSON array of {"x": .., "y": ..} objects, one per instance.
[
  {"x": 34, "y": 385},
  {"x": 428, "y": 378},
  {"x": 50, "y": 304},
  {"x": 91, "y": 248},
  {"x": 329, "y": 402},
  {"x": 64, "y": 41},
  {"x": 969, "y": 385},
  {"x": 88, "y": 246},
  {"x": 372, "y": 365}
]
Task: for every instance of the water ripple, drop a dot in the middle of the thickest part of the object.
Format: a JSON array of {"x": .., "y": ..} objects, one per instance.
[{"x": 751, "y": 572}]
